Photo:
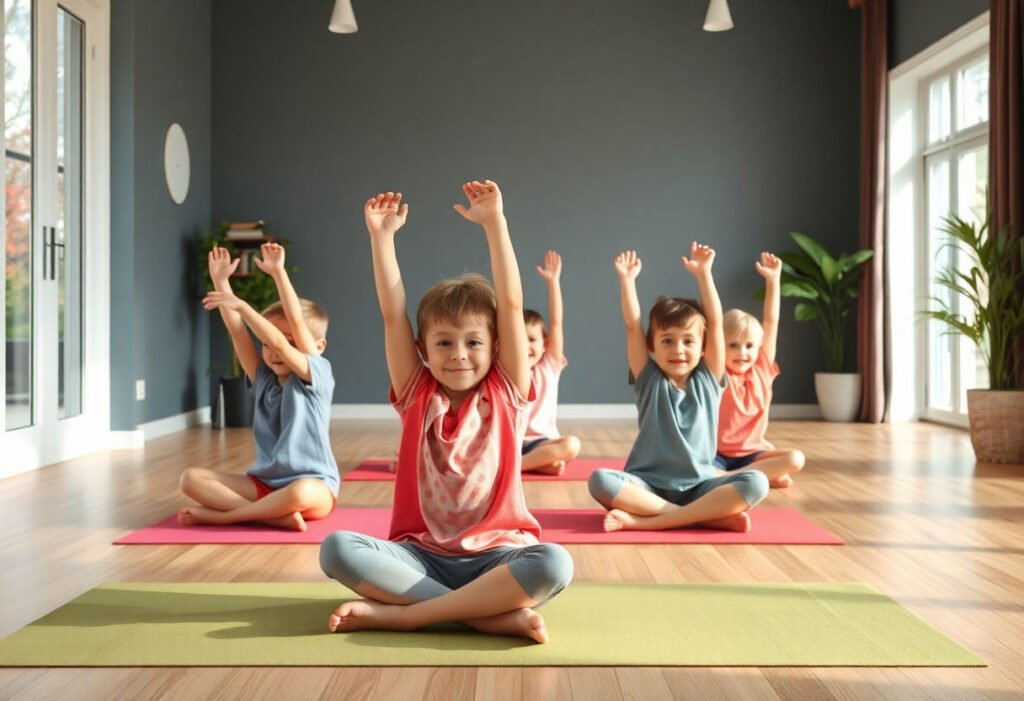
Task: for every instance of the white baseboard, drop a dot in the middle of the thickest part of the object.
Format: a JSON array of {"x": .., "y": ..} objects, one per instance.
[
  {"x": 126, "y": 440},
  {"x": 572, "y": 411},
  {"x": 363, "y": 411},
  {"x": 134, "y": 440},
  {"x": 597, "y": 411},
  {"x": 166, "y": 425}
]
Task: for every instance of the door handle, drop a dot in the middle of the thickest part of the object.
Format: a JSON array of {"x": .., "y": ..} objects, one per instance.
[{"x": 50, "y": 246}]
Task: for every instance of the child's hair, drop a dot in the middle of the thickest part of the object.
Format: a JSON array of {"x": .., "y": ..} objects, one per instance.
[
  {"x": 314, "y": 315},
  {"x": 532, "y": 317},
  {"x": 451, "y": 300},
  {"x": 673, "y": 311},
  {"x": 736, "y": 322}
]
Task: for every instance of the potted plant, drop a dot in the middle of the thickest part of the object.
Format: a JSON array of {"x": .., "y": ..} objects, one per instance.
[
  {"x": 826, "y": 286},
  {"x": 233, "y": 404},
  {"x": 990, "y": 313}
]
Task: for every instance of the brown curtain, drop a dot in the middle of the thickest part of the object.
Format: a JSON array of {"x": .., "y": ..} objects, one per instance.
[
  {"x": 874, "y": 83},
  {"x": 1006, "y": 126}
]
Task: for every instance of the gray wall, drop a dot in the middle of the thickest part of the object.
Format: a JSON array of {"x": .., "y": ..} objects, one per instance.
[
  {"x": 160, "y": 74},
  {"x": 915, "y": 25},
  {"x": 608, "y": 124}
]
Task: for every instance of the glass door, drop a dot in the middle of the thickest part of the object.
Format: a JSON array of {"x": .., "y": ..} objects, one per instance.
[{"x": 44, "y": 416}]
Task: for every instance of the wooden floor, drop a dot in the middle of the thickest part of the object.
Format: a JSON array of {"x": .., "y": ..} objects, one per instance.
[{"x": 923, "y": 524}]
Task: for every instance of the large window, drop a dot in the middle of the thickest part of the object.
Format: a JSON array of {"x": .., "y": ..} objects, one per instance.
[
  {"x": 937, "y": 165},
  {"x": 956, "y": 181}
]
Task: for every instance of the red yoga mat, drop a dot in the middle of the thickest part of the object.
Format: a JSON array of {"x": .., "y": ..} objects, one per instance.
[
  {"x": 770, "y": 526},
  {"x": 577, "y": 470}
]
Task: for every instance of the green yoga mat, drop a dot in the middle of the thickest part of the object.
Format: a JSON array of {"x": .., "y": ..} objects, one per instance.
[{"x": 228, "y": 625}]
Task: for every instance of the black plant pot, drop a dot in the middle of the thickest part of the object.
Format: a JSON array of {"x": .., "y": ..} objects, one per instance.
[{"x": 236, "y": 403}]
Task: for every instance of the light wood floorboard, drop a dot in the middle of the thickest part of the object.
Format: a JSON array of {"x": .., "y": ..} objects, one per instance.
[{"x": 923, "y": 524}]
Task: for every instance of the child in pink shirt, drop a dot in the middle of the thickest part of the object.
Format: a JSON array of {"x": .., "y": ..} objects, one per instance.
[
  {"x": 751, "y": 370},
  {"x": 462, "y": 546},
  {"x": 544, "y": 450}
]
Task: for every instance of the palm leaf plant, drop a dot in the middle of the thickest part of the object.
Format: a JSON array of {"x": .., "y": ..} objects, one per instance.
[
  {"x": 826, "y": 285},
  {"x": 985, "y": 305}
]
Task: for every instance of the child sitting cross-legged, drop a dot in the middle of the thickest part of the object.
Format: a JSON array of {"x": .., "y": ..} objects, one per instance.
[
  {"x": 295, "y": 478},
  {"x": 462, "y": 545},
  {"x": 751, "y": 369},
  {"x": 670, "y": 480},
  {"x": 545, "y": 450}
]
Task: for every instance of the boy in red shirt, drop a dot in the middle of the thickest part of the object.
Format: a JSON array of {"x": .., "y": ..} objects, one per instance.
[{"x": 462, "y": 546}]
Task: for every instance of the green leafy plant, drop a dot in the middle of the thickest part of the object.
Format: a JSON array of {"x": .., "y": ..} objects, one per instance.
[
  {"x": 991, "y": 310},
  {"x": 256, "y": 288},
  {"x": 825, "y": 286}
]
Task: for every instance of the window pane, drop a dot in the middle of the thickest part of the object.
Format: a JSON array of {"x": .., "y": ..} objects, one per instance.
[
  {"x": 18, "y": 224},
  {"x": 972, "y": 180},
  {"x": 938, "y": 110},
  {"x": 972, "y": 94},
  {"x": 69, "y": 213},
  {"x": 939, "y": 392}
]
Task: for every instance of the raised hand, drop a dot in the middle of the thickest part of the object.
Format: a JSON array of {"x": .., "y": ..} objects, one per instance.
[
  {"x": 627, "y": 265},
  {"x": 221, "y": 265},
  {"x": 484, "y": 201},
  {"x": 222, "y": 300},
  {"x": 552, "y": 269},
  {"x": 769, "y": 267},
  {"x": 273, "y": 258},
  {"x": 383, "y": 214},
  {"x": 700, "y": 260}
]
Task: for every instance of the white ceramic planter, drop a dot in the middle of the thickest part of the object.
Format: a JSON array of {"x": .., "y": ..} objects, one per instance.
[{"x": 838, "y": 395}]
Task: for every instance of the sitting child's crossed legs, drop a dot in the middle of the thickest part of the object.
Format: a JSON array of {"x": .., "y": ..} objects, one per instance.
[
  {"x": 408, "y": 587},
  {"x": 550, "y": 456},
  {"x": 230, "y": 498},
  {"x": 720, "y": 502}
]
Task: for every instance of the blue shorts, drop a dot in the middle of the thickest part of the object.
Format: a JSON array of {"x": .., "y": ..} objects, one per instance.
[
  {"x": 531, "y": 445},
  {"x": 724, "y": 462}
]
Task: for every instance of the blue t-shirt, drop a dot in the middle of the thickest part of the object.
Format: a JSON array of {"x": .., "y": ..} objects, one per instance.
[
  {"x": 675, "y": 448},
  {"x": 291, "y": 426}
]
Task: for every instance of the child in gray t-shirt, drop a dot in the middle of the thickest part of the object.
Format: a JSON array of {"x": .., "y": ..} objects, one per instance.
[
  {"x": 670, "y": 480},
  {"x": 295, "y": 478}
]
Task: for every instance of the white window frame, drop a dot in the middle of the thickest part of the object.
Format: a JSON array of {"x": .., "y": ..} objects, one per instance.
[{"x": 907, "y": 215}]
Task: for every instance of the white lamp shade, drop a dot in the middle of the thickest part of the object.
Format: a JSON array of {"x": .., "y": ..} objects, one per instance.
[
  {"x": 343, "y": 19},
  {"x": 718, "y": 18}
]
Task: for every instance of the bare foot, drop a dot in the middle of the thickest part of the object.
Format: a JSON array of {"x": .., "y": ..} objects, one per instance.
[
  {"x": 199, "y": 516},
  {"x": 555, "y": 468},
  {"x": 737, "y": 522},
  {"x": 782, "y": 482},
  {"x": 524, "y": 623},
  {"x": 365, "y": 614},
  {"x": 617, "y": 520},
  {"x": 292, "y": 522}
]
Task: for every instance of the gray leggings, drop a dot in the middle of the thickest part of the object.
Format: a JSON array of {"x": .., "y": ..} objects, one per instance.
[
  {"x": 604, "y": 485},
  {"x": 412, "y": 572}
]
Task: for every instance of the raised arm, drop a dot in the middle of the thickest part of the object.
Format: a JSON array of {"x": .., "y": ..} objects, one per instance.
[
  {"x": 627, "y": 267},
  {"x": 770, "y": 268},
  {"x": 221, "y": 268},
  {"x": 551, "y": 273},
  {"x": 273, "y": 265},
  {"x": 265, "y": 331},
  {"x": 486, "y": 209},
  {"x": 385, "y": 215},
  {"x": 699, "y": 263}
]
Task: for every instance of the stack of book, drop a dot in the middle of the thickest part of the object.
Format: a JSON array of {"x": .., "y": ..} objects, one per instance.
[{"x": 245, "y": 230}]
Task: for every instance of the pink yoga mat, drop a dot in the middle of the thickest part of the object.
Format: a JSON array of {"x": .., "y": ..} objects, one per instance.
[
  {"x": 577, "y": 470},
  {"x": 770, "y": 526}
]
